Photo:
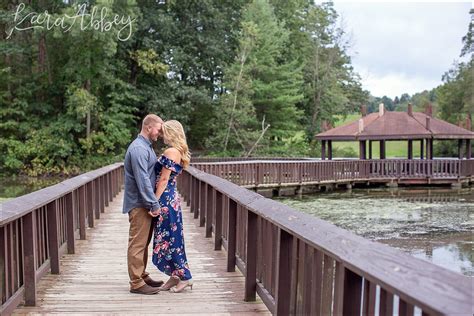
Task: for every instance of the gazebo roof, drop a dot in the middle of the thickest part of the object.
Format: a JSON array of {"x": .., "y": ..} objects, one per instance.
[{"x": 396, "y": 125}]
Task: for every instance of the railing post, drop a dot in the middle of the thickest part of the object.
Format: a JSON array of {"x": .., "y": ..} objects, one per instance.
[
  {"x": 219, "y": 208},
  {"x": 283, "y": 270},
  {"x": 100, "y": 192},
  {"x": 53, "y": 236},
  {"x": 111, "y": 186},
  {"x": 70, "y": 218},
  {"x": 105, "y": 190},
  {"x": 202, "y": 203},
  {"x": 95, "y": 195},
  {"x": 348, "y": 291},
  {"x": 251, "y": 264},
  {"x": 82, "y": 213},
  {"x": 197, "y": 197},
  {"x": 468, "y": 149},
  {"x": 29, "y": 248},
  {"x": 258, "y": 179},
  {"x": 189, "y": 188},
  {"x": 209, "y": 208},
  {"x": 90, "y": 205},
  {"x": 231, "y": 236}
]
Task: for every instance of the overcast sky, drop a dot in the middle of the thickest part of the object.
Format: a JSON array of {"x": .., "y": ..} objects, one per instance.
[{"x": 403, "y": 46}]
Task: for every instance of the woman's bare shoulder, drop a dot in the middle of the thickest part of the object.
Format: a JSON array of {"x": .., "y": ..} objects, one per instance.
[{"x": 173, "y": 154}]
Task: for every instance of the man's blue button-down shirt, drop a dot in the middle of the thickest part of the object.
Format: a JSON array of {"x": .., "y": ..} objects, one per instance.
[{"x": 140, "y": 176}]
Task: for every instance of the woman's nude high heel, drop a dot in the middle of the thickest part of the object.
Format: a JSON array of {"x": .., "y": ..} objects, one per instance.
[
  {"x": 181, "y": 286},
  {"x": 172, "y": 281}
]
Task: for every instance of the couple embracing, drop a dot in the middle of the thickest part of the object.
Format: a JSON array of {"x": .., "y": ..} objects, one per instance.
[{"x": 152, "y": 203}]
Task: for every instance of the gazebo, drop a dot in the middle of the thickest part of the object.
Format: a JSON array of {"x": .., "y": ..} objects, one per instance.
[{"x": 386, "y": 126}]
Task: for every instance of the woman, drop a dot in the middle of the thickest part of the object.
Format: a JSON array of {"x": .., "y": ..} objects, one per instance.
[{"x": 168, "y": 243}]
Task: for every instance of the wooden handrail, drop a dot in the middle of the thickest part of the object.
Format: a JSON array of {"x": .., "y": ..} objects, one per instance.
[
  {"x": 259, "y": 173},
  {"x": 37, "y": 228},
  {"x": 299, "y": 264}
]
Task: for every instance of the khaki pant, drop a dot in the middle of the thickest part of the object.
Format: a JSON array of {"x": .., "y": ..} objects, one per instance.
[{"x": 139, "y": 238}]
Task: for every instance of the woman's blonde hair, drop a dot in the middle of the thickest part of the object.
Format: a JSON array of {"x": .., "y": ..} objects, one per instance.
[{"x": 173, "y": 133}]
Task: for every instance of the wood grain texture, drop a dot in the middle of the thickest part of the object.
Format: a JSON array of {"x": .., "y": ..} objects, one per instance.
[{"x": 94, "y": 280}]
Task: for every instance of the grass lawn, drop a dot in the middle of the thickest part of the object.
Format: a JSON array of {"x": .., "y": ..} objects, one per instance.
[{"x": 394, "y": 149}]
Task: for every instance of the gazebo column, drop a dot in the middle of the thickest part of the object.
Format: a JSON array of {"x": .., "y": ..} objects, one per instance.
[
  {"x": 421, "y": 148},
  {"x": 468, "y": 149},
  {"x": 460, "y": 151},
  {"x": 410, "y": 149},
  {"x": 370, "y": 149},
  {"x": 323, "y": 150},
  {"x": 382, "y": 149},
  {"x": 429, "y": 149},
  {"x": 329, "y": 149},
  {"x": 362, "y": 149}
]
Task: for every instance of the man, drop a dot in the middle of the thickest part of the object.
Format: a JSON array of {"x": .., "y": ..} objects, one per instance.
[{"x": 139, "y": 199}]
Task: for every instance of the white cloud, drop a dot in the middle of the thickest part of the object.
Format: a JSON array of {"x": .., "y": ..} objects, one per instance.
[
  {"x": 396, "y": 84},
  {"x": 415, "y": 43}
]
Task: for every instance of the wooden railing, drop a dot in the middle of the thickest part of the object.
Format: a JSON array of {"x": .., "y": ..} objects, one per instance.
[
  {"x": 262, "y": 173},
  {"x": 297, "y": 263},
  {"x": 227, "y": 159},
  {"x": 37, "y": 228},
  {"x": 301, "y": 265}
]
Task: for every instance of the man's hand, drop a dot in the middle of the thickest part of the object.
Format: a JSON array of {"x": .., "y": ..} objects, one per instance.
[{"x": 154, "y": 213}]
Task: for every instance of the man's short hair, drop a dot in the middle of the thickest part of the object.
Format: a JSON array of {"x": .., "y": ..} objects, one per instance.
[{"x": 151, "y": 119}]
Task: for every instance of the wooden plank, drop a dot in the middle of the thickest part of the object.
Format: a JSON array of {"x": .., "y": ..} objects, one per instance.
[
  {"x": 339, "y": 290},
  {"x": 95, "y": 198},
  {"x": 386, "y": 303},
  {"x": 81, "y": 288},
  {"x": 2, "y": 264},
  {"x": 29, "y": 242},
  {"x": 352, "y": 293},
  {"x": 82, "y": 213},
  {"x": 251, "y": 262},
  {"x": 405, "y": 309},
  {"x": 309, "y": 266},
  {"x": 70, "y": 225},
  {"x": 209, "y": 210},
  {"x": 197, "y": 197},
  {"x": 100, "y": 192},
  {"x": 8, "y": 261},
  {"x": 202, "y": 203},
  {"x": 294, "y": 275},
  {"x": 90, "y": 205},
  {"x": 300, "y": 289},
  {"x": 219, "y": 209},
  {"x": 53, "y": 237},
  {"x": 328, "y": 279},
  {"x": 283, "y": 278},
  {"x": 316, "y": 286},
  {"x": 231, "y": 236}
]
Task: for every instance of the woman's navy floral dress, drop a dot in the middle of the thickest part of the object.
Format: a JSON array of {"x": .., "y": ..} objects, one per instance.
[{"x": 168, "y": 241}]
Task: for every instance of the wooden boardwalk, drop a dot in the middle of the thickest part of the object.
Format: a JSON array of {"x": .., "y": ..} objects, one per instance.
[{"x": 95, "y": 280}]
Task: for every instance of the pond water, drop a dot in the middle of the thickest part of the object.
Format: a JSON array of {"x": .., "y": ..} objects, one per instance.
[{"x": 431, "y": 224}]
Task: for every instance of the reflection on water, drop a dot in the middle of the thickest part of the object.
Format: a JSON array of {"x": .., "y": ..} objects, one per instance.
[
  {"x": 432, "y": 224},
  {"x": 11, "y": 187}
]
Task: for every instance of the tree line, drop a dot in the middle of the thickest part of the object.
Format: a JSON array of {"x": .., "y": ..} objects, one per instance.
[{"x": 245, "y": 77}]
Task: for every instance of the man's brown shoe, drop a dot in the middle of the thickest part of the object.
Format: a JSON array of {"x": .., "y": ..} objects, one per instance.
[
  {"x": 152, "y": 282},
  {"x": 146, "y": 290}
]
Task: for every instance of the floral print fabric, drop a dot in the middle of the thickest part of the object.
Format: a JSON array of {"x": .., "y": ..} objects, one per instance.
[{"x": 169, "y": 254}]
